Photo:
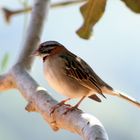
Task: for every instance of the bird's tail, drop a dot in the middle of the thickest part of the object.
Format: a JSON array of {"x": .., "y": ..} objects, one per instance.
[
  {"x": 127, "y": 98},
  {"x": 123, "y": 96}
]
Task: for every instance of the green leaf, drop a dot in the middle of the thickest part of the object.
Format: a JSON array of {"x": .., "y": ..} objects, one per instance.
[
  {"x": 134, "y": 5},
  {"x": 91, "y": 11},
  {"x": 4, "y": 61}
]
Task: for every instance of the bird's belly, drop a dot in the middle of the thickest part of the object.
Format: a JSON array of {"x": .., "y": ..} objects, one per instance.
[{"x": 65, "y": 85}]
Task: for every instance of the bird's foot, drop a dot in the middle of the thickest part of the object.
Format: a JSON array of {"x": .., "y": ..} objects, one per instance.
[
  {"x": 69, "y": 109},
  {"x": 74, "y": 107},
  {"x": 59, "y": 105}
]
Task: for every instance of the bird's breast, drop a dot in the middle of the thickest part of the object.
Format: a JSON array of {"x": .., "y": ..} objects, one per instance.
[{"x": 54, "y": 70}]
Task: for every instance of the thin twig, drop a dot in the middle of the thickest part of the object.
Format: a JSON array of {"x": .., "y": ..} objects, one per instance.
[
  {"x": 8, "y": 14},
  {"x": 66, "y": 3}
]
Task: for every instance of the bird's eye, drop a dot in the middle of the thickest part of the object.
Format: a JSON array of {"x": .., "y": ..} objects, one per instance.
[{"x": 48, "y": 51}]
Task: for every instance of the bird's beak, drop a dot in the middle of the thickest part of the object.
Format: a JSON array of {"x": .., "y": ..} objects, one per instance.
[{"x": 35, "y": 53}]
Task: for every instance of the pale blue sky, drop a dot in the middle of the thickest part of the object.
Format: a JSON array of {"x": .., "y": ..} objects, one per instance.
[{"x": 113, "y": 52}]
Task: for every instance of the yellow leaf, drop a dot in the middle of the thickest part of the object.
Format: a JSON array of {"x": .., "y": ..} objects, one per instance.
[
  {"x": 91, "y": 11},
  {"x": 134, "y": 5}
]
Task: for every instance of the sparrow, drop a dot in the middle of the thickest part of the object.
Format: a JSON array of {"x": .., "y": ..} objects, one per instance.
[{"x": 72, "y": 77}]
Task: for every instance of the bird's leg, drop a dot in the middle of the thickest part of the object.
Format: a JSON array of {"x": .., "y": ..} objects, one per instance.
[
  {"x": 74, "y": 107},
  {"x": 59, "y": 104}
]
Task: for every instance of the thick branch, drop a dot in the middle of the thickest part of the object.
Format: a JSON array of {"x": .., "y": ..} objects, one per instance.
[
  {"x": 33, "y": 32},
  {"x": 76, "y": 121}
]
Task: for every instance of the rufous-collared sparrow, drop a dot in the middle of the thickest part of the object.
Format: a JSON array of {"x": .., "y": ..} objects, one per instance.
[{"x": 71, "y": 76}]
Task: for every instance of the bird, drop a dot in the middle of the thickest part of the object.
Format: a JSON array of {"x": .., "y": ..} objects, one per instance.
[{"x": 71, "y": 76}]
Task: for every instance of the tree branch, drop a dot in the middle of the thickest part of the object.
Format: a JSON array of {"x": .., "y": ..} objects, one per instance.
[
  {"x": 38, "y": 99},
  {"x": 40, "y": 9},
  {"x": 6, "y": 82},
  {"x": 9, "y": 13}
]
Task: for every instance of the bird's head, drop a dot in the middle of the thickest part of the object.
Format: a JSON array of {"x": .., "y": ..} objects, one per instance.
[{"x": 48, "y": 48}]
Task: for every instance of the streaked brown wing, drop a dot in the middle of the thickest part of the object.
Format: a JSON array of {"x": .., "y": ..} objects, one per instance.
[{"x": 81, "y": 71}]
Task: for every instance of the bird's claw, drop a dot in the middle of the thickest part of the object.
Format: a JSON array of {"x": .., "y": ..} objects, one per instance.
[
  {"x": 57, "y": 106},
  {"x": 70, "y": 109}
]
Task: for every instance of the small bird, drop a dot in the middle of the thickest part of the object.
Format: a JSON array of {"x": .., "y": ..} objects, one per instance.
[{"x": 71, "y": 76}]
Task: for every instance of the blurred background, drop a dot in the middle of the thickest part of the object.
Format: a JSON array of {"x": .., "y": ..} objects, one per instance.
[{"x": 113, "y": 52}]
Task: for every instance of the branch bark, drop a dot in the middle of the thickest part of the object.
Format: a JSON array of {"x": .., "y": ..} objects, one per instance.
[
  {"x": 38, "y": 99},
  {"x": 6, "y": 82},
  {"x": 39, "y": 11}
]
